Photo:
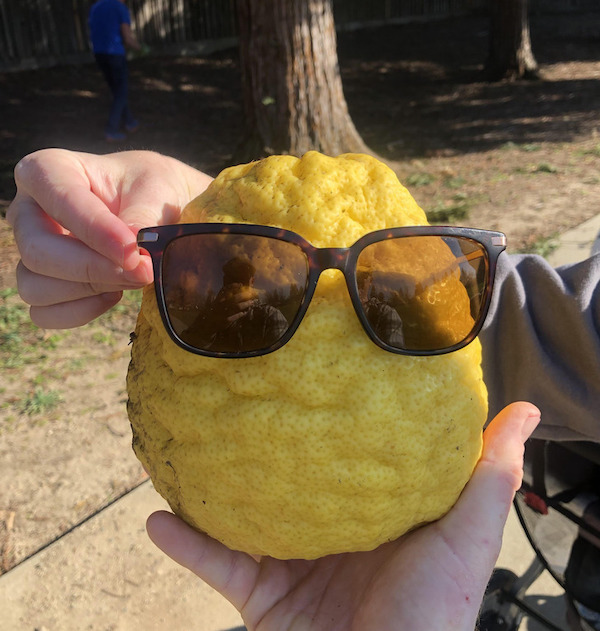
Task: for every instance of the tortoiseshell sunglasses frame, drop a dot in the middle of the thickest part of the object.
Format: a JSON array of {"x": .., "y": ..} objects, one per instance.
[{"x": 156, "y": 239}]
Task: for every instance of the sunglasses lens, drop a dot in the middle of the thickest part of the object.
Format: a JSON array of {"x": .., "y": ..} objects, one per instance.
[
  {"x": 422, "y": 293},
  {"x": 230, "y": 293}
]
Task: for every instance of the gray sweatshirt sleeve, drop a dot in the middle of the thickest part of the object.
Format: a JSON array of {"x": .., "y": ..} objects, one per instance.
[{"x": 541, "y": 343}]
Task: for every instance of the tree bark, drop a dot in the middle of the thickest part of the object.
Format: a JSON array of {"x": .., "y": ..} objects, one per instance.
[
  {"x": 291, "y": 84},
  {"x": 510, "y": 53}
]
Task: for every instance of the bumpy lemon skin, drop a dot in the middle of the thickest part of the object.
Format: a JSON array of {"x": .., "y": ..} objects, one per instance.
[{"x": 329, "y": 444}]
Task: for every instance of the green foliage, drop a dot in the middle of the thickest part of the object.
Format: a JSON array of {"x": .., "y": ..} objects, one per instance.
[
  {"x": 11, "y": 314},
  {"x": 449, "y": 212},
  {"x": 544, "y": 167},
  {"x": 40, "y": 401},
  {"x": 454, "y": 182},
  {"x": 533, "y": 169},
  {"x": 419, "y": 179},
  {"x": 594, "y": 151},
  {"x": 527, "y": 147},
  {"x": 544, "y": 245},
  {"x": 37, "y": 361},
  {"x": 14, "y": 324}
]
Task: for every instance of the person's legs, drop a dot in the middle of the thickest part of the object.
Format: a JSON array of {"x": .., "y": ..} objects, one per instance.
[
  {"x": 114, "y": 69},
  {"x": 122, "y": 94}
]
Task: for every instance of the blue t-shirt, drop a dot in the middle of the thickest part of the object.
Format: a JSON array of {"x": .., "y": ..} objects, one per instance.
[{"x": 105, "y": 19}]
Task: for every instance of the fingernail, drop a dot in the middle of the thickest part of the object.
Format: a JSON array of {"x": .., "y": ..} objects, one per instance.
[
  {"x": 140, "y": 275},
  {"x": 131, "y": 256},
  {"x": 530, "y": 423},
  {"x": 135, "y": 227}
]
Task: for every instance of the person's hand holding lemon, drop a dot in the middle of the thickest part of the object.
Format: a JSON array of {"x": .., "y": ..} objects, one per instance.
[{"x": 327, "y": 412}]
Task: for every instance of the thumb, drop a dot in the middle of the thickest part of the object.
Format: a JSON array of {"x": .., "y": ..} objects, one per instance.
[
  {"x": 477, "y": 521},
  {"x": 137, "y": 216},
  {"x": 232, "y": 574}
]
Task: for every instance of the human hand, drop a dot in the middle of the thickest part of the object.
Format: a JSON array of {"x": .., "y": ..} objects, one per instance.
[
  {"x": 233, "y": 301},
  {"x": 75, "y": 218},
  {"x": 432, "y": 578}
]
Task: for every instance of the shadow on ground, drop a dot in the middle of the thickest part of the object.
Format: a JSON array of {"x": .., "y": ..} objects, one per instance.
[{"x": 413, "y": 90}]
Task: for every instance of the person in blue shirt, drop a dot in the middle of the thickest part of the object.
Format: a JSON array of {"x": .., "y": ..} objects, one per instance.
[{"x": 111, "y": 35}]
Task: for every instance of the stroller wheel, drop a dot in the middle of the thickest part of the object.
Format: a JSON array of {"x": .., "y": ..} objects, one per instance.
[
  {"x": 497, "y": 613},
  {"x": 494, "y": 621}
]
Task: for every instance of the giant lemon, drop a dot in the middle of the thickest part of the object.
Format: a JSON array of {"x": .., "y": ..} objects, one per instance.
[{"x": 329, "y": 444}]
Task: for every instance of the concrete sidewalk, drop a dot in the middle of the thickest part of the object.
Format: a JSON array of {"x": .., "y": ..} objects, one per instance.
[
  {"x": 578, "y": 243},
  {"x": 106, "y": 575}
]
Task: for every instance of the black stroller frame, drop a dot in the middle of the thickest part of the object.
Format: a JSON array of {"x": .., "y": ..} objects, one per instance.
[{"x": 558, "y": 505}]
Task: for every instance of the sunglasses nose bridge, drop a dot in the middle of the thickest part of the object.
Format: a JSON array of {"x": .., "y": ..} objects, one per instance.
[{"x": 332, "y": 258}]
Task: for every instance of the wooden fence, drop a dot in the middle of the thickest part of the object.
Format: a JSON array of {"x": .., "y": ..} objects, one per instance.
[{"x": 36, "y": 33}]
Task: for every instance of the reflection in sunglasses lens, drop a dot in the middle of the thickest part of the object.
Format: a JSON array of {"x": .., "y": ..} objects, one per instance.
[
  {"x": 422, "y": 293},
  {"x": 232, "y": 293}
]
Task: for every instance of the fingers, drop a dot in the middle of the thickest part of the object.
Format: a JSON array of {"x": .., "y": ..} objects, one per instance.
[
  {"x": 153, "y": 188},
  {"x": 76, "y": 313},
  {"x": 71, "y": 219},
  {"x": 61, "y": 304},
  {"x": 72, "y": 246},
  {"x": 75, "y": 218},
  {"x": 68, "y": 284},
  {"x": 39, "y": 290},
  {"x": 57, "y": 182},
  {"x": 474, "y": 526},
  {"x": 233, "y": 574},
  {"x": 48, "y": 251},
  {"x": 66, "y": 258},
  {"x": 503, "y": 444}
]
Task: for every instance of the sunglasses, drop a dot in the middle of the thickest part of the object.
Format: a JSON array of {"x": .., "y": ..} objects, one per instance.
[{"x": 241, "y": 290}]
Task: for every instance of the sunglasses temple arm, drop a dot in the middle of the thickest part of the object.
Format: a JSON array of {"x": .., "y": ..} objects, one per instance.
[
  {"x": 471, "y": 256},
  {"x": 455, "y": 265}
]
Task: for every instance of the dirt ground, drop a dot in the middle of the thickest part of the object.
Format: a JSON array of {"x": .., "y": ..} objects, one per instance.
[{"x": 522, "y": 157}]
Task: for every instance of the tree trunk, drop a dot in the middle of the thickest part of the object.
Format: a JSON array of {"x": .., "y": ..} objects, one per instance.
[
  {"x": 292, "y": 89},
  {"x": 510, "y": 54}
]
